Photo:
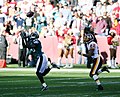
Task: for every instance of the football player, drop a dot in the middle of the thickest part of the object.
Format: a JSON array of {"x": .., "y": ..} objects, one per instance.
[
  {"x": 42, "y": 67},
  {"x": 93, "y": 52}
]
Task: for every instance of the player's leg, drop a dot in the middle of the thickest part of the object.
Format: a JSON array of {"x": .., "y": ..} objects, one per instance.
[
  {"x": 93, "y": 73},
  {"x": 104, "y": 68},
  {"x": 41, "y": 66},
  {"x": 43, "y": 69}
]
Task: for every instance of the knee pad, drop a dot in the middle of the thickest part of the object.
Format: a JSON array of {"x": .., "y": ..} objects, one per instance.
[{"x": 95, "y": 77}]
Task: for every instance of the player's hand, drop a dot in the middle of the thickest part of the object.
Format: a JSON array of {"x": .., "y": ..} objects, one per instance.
[{"x": 79, "y": 52}]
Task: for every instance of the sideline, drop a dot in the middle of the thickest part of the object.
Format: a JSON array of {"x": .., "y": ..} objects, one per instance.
[{"x": 84, "y": 70}]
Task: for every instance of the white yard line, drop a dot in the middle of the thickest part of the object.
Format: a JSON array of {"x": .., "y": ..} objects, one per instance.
[{"x": 54, "y": 70}]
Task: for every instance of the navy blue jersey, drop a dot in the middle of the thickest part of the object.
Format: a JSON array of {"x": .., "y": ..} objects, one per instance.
[{"x": 38, "y": 47}]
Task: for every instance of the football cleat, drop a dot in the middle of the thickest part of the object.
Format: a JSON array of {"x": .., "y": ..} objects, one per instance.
[
  {"x": 100, "y": 87},
  {"x": 44, "y": 88},
  {"x": 55, "y": 65},
  {"x": 105, "y": 69}
]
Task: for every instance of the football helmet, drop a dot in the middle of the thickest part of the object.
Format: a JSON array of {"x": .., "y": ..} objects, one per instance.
[
  {"x": 88, "y": 37},
  {"x": 34, "y": 35}
]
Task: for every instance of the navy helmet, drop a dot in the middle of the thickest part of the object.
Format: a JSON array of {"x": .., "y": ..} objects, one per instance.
[
  {"x": 88, "y": 37},
  {"x": 34, "y": 35}
]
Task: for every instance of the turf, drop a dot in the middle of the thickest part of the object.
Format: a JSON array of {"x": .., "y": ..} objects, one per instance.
[{"x": 22, "y": 82}]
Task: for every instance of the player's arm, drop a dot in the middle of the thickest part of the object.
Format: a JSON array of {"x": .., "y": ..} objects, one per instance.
[{"x": 89, "y": 54}]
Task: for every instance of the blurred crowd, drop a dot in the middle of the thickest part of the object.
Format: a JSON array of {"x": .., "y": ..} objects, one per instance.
[
  {"x": 46, "y": 16},
  {"x": 71, "y": 17}
]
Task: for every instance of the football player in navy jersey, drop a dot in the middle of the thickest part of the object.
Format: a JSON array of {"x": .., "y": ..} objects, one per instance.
[
  {"x": 93, "y": 52},
  {"x": 42, "y": 67}
]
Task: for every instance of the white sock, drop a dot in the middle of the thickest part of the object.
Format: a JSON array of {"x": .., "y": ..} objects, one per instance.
[
  {"x": 44, "y": 84},
  {"x": 96, "y": 79},
  {"x": 98, "y": 82},
  {"x": 114, "y": 63},
  {"x": 59, "y": 61},
  {"x": 66, "y": 61},
  {"x": 111, "y": 63}
]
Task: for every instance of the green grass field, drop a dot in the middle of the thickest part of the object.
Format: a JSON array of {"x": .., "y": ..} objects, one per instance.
[{"x": 22, "y": 82}]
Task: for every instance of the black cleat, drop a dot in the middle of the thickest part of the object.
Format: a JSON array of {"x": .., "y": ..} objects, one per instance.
[
  {"x": 100, "y": 87},
  {"x": 105, "y": 69},
  {"x": 55, "y": 65},
  {"x": 44, "y": 88}
]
